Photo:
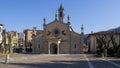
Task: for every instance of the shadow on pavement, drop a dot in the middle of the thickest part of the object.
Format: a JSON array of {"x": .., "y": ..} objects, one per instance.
[
  {"x": 54, "y": 64},
  {"x": 67, "y": 64}
]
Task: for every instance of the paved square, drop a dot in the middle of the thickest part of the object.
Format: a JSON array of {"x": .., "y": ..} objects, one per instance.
[{"x": 56, "y": 61}]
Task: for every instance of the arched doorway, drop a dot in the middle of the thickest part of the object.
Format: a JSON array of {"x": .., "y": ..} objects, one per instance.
[{"x": 53, "y": 48}]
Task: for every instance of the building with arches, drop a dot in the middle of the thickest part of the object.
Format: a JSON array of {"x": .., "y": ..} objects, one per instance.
[{"x": 57, "y": 37}]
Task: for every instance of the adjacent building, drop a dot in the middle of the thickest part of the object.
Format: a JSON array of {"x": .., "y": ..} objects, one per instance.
[
  {"x": 14, "y": 38},
  {"x": 20, "y": 40},
  {"x": 106, "y": 37},
  {"x": 1, "y": 37},
  {"x": 9, "y": 40},
  {"x": 1, "y": 30},
  {"x": 27, "y": 41}
]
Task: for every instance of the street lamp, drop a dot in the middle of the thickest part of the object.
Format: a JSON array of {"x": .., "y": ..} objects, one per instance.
[{"x": 59, "y": 41}]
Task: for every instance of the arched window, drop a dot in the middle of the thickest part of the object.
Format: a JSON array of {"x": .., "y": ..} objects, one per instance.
[
  {"x": 75, "y": 46},
  {"x": 38, "y": 45}
]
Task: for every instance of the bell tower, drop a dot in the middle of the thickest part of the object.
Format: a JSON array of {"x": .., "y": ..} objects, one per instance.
[
  {"x": 82, "y": 30},
  {"x": 61, "y": 13}
]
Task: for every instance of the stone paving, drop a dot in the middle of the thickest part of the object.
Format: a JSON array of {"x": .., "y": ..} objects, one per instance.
[{"x": 56, "y": 61}]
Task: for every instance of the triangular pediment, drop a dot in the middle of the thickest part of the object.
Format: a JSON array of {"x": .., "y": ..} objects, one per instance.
[
  {"x": 56, "y": 24},
  {"x": 56, "y": 21},
  {"x": 56, "y": 29}
]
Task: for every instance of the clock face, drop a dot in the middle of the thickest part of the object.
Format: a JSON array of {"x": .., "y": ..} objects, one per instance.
[{"x": 56, "y": 32}]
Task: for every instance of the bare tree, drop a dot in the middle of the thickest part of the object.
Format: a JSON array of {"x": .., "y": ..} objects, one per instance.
[
  {"x": 3, "y": 40},
  {"x": 103, "y": 42},
  {"x": 114, "y": 43},
  {"x": 9, "y": 41}
]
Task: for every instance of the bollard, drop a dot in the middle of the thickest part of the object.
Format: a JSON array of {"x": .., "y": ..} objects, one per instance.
[{"x": 7, "y": 59}]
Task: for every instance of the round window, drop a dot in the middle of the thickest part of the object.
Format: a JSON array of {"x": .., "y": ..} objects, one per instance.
[{"x": 56, "y": 32}]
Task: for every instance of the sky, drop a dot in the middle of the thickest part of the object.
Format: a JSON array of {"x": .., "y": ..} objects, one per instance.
[{"x": 95, "y": 15}]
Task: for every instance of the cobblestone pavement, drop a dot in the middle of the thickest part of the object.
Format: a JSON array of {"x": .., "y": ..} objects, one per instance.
[{"x": 58, "y": 61}]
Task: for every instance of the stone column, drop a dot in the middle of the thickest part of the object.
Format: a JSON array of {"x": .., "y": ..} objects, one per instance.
[
  {"x": 49, "y": 47},
  {"x": 58, "y": 48}
]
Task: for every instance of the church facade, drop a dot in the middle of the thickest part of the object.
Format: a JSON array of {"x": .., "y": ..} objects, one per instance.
[{"x": 57, "y": 37}]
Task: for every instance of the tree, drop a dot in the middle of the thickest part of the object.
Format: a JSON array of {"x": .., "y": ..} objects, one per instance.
[
  {"x": 115, "y": 46},
  {"x": 9, "y": 41},
  {"x": 3, "y": 40},
  {"x": 103, "y": 44}
]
